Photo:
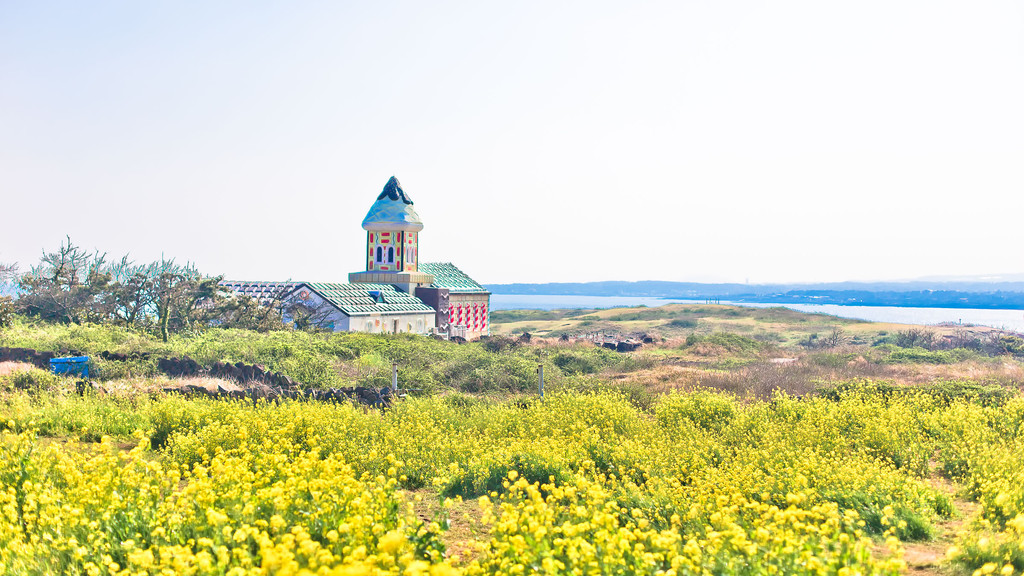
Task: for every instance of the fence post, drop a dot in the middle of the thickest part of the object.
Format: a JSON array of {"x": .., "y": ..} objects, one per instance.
[
  {"x": 394, "y": 377},
  {"x": 540, "y": 379}
]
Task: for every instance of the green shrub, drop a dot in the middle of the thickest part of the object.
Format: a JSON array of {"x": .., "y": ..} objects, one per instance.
[
  {"x": 100, "y": 369},
  {"x": 682, "y": 323},
  {"x": 831, "y": 359},
  {"x": 944, "y": 392},
  {"x": 6, "y": 311},
  {"x": 492, "y": 476},
  {"x": 32, "y": 379},
  {"x": 580, "y": 360},
  {"x": 735, "y": 343},
  {"x": 920, "y": 355}
]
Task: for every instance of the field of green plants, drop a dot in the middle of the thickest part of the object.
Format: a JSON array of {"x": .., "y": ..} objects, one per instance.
[
  {"x": 477, "y": 475},
  {"x": 321, "y": 360}
]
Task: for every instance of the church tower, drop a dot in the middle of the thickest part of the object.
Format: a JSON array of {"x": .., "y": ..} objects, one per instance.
[{"x": 392, "y": 241}]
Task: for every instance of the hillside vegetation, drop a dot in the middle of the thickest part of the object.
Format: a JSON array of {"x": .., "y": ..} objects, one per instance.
[{"x": 736, "y": 442}]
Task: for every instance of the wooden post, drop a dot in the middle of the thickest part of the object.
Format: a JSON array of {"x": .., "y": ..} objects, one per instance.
[
  {"x": 540, "y": 379},
  {"x": 394, "y": 377}
]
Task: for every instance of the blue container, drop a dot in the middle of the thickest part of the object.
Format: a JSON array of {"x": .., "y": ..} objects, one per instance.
[{"x": 73, "y": 366}]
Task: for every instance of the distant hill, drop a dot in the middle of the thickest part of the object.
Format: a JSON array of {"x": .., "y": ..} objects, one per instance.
[{"x": 923, "y": 293}]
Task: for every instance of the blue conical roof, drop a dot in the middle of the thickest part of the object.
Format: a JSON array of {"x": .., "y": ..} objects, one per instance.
[{"x": 393, "y": 211}]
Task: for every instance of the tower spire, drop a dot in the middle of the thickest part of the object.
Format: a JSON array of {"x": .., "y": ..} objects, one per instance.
[{"x": 393, "y": 191}]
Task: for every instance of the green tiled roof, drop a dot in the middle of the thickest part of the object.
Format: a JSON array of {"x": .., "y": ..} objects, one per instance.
[
  {"x": 357, "y": 299},
  {"x": 352, "y": 299},
  {"x": 266, "y": 293},
  {"x": 446, "y": 275}
]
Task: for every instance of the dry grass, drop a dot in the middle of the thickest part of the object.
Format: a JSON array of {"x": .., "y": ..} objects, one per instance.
[
  {"x": 801, "y": 376},
  {"x": 12, "y": 367},
  {"x": 155, "y": 384}
]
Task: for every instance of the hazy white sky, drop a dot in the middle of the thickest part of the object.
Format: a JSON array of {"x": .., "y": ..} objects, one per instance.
[{"x": 541, "y": 141}]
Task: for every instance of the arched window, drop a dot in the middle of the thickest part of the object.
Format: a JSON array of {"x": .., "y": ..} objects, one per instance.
[
  {"x": 380, "y": 254},
  {"x": 391, "y": 254}
]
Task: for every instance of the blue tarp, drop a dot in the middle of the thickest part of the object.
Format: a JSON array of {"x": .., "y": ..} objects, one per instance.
[{"x": 74, "y": 366}]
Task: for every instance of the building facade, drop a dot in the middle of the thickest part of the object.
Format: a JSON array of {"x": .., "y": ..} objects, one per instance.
[{"x": 395, "y": 293}]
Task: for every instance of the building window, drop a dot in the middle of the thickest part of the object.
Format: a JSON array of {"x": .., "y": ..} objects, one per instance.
[
  {"x": 380, "y": 255},
  {"x": 391, "y": 254}
]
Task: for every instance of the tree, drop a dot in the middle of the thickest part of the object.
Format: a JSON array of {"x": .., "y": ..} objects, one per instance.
[
  {"x": 248, "y": 313},
  {"x": 835, "y": 338},
  {"x": 130, "y": 293},
  {"x": 72, "y": 285},
  {"x": 66, "y": 286},
  {"x": 310, "y": 316},
  {"x": 8, "y": 272},
  {"x": 183, "y": 298}
]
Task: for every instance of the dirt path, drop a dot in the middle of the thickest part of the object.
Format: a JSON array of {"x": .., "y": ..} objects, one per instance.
[
  {"x": 464, "y": 532},
  {"x": 928, "y": 558}
]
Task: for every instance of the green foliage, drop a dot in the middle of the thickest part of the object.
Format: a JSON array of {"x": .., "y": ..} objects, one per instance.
[
  {"x": 920, "y": 355},
  {"x": 1011, "y": 344},
  {"x": 735, "y": 343},
  {"x": 500, "y": 343},
  {"x": 6, "y": 311},
  {"x": 33, "y": 379},
  {"x": 830, "y": 359},
  {"x": 102, "y": 370},
  {"x": 74, "y": 286},
  {"x": 945, "y": 392},
  {"x": 644, "y": 313},
  {"x": 493, "y": 476},
  {"x": 915, "y": 338},
  {"x": 585, "y": 360},
  {"x": 682, "y": 323},
  {"x": 321, "y": 360},
  {"x": 509, "y": 316}
]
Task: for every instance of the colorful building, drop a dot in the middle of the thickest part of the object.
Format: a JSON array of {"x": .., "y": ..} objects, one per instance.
[
  {"x": 469, "y": 314},
  {"x": 395, "y": 293}
]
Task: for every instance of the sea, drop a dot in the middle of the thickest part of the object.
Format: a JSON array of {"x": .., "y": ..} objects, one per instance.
[{"x": 1012, "y": 320}]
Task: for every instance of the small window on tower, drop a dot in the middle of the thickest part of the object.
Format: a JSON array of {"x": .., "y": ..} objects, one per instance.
[
  {"x": 380, "y": 254},
  {"x": 391, "y": 255}
]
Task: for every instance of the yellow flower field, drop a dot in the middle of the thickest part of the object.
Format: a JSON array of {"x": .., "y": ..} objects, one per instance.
[{"x": 575, "y": 484}]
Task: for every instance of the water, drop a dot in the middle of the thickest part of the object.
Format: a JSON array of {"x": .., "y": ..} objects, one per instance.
[{"x": 1005, "y": 319}]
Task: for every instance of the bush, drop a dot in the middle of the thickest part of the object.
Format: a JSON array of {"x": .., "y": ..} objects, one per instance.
[
  {"x": 920, "y": 355},
  {"x": 578, "y": 360},
  {"x": 498, "y": 344},
  {"x": 945, "y": 392},
  {"x": 493, "y": 476},
  {"x": 6, "y": 311},
  {"x": 682, "y": 323},
  {"x": 100, "y": 369},
  {"x": 831, "y": 359},
  {"x": 33, "y": 379},
  {"x": 915, "y": 338},
  {"x": 732, "y": 342}
]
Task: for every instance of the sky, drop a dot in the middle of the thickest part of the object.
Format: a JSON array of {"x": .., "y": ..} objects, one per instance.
[{"x": 739, "y": 141}]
